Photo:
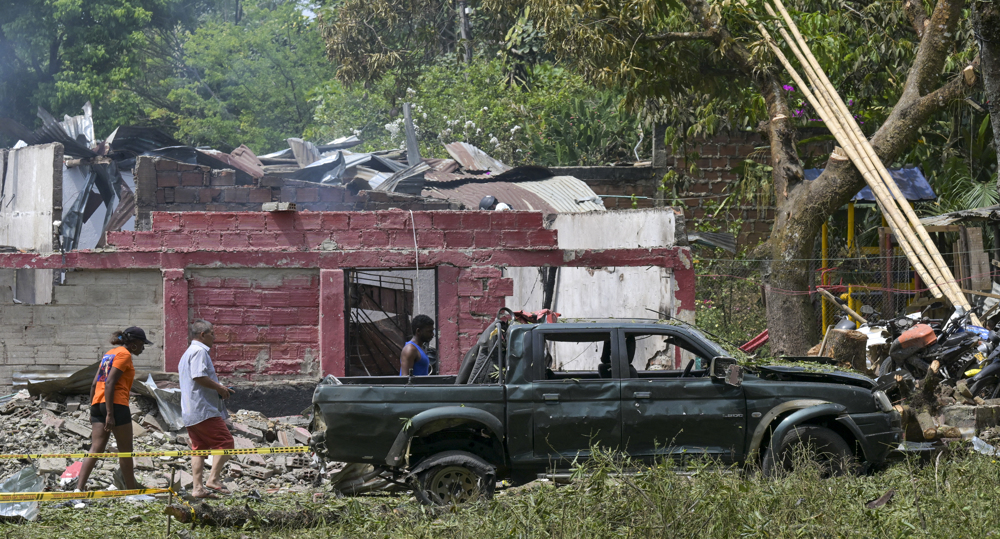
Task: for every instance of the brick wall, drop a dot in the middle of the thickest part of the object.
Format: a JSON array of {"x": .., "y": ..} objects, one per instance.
[
  {"x": 482, "y": 292},
  {"x": 717, "y": 158},
  {"x": 328, "y": 231},
  {"x": 167, "y": 185},
  {"x": 266, "y": 321},
  {"x": 274, "y": 286},
  {"x": 74, "y": 330}
]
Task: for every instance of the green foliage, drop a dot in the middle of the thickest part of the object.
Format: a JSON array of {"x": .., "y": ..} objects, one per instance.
[
  {"x": 245, "y": 82},
  {"x": 214, "y": 72},
  {"x": 562, "y": 120},
  {"x": 59, "y": 54},
  {"x": 370, "y": 39}
]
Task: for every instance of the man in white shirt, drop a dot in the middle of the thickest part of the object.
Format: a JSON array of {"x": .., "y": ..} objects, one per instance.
[{"x": 203, "y": 410}]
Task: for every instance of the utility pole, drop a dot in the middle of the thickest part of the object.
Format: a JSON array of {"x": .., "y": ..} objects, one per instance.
[{"x": 466, "y": 28}]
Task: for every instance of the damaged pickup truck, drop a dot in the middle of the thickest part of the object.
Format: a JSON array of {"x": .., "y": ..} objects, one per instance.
[{"x": 536, "y": 398}]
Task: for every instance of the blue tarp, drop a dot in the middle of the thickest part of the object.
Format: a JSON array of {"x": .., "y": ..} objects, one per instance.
[{"x": 911, "y": 183}]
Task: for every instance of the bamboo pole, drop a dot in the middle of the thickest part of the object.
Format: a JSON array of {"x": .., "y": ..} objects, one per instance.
[
  {"x": 850, "y": 312},
  {"x": 936, "y": 263},
  {"x": 911, "y": 246},
  {"x": 838, "y": 133}
]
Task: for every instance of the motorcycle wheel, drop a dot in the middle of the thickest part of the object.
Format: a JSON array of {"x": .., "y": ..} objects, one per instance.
[
  {"x": 987, "y": 388},
  {"x": 886, "y": 367}
]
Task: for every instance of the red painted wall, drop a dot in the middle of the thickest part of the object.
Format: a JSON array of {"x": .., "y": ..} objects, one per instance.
[
  {"x": 266, "y": 322},
  {"x": 273, "y": 283}
]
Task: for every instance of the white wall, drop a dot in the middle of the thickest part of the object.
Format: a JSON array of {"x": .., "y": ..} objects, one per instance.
[
  {"x": 31, "y": 185},
  {"x": 610, "y": 292}
]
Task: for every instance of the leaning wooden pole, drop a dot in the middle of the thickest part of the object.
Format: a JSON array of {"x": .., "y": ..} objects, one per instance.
[
  {"x": 848, "y": 147},
  {"x": 935, "y": 264}
]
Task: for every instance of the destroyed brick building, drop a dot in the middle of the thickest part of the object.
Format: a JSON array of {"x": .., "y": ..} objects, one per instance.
[{"x": 139, "y": 230}]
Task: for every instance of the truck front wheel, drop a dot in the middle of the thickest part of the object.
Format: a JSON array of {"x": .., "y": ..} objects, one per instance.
[
  {"x": 819, "y": 444},
  {"x": 454, "y": 477}
]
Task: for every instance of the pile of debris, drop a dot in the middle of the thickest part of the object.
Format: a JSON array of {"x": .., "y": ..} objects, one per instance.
[{"x": 62, "y": 425}]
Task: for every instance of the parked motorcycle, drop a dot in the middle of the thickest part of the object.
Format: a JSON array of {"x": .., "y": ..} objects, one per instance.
[
  {"x": 957, "y": 346},
  {"x": 986, "y": 382}
]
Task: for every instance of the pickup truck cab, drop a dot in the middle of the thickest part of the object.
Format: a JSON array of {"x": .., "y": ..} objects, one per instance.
[{"x": 544, "y": 395}]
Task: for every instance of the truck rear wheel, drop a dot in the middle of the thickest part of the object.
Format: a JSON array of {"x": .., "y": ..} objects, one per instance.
[
  {"x": 454, "y": 477},
  {"x": 819, "y": 444}
]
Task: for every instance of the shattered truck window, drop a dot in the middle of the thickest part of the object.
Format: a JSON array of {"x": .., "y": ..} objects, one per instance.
[
  {"x": 650, "y": 352},
  {"x": 572, "y": 356}
]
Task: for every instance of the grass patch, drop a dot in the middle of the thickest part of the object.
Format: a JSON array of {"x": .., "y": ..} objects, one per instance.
[{"x": 955, "y": 498}]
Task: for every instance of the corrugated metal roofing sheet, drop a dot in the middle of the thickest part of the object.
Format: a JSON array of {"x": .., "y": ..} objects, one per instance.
[
  {"x": 552, "y": 195},
  {"x": 472, "y": 158},
  {"x": 471, "y": 193},
  {"x": 563, "y": 192},
  {"x": 977, "y": 214}
]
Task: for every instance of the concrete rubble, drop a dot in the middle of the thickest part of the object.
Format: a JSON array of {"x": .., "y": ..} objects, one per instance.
[{"x": 56, "y": 424}]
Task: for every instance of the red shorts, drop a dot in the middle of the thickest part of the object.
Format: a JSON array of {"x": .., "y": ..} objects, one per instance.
[{"x": 211, "y": 433}]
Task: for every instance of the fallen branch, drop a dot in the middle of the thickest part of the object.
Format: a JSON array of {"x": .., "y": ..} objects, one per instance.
[{"x": 237, "y": 517}]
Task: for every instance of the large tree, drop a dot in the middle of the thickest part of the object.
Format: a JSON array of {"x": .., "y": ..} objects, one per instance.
[
  {"x": 986, "y": 26},
  {"x": 703, "y": 62}
]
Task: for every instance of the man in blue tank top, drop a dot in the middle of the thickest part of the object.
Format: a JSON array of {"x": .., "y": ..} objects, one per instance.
[{"x": 413, "y": 355}]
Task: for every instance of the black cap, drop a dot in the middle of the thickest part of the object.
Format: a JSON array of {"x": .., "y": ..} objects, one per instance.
[{"x": 136, "y": 334}]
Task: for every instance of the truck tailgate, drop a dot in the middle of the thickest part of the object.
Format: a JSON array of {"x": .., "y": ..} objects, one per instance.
[{"x": 363, "y": 421}]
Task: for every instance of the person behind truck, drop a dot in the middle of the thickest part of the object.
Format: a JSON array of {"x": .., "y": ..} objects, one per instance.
[
  {"x": 109, "y": 411},
  {"x": 203, "y": 410},
  {"x": 413, "y": 357}
]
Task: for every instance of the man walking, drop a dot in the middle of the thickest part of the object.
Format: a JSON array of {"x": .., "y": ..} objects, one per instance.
[{"x": 203, "y": 409}]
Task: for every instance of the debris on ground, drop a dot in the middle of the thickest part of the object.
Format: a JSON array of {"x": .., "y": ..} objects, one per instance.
[{"x": 61, "y": 424}]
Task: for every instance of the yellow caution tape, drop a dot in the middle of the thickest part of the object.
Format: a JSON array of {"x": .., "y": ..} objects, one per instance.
[
  {"x": 190, "y": 453},
  {"x": 92, "y": 494}
]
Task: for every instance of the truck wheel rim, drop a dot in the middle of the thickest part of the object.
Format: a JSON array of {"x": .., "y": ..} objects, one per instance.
[{"x": 454, "y": 484}]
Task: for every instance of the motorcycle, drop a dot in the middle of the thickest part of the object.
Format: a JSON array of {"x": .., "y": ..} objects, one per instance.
[
  {"x": 957, "y": 346},
  {"x": 986, "y": 382}
]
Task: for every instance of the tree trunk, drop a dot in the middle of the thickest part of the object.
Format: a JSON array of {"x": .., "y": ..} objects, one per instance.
[
  {"x": 986, "y": 25},
  {"x": 803, "y": 207}
]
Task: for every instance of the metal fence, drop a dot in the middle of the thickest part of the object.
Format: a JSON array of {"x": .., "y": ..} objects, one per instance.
[{"x": 730, "y": 293}]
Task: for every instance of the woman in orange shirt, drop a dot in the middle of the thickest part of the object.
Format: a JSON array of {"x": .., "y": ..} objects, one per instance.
[{"x": 109, "y": 411}]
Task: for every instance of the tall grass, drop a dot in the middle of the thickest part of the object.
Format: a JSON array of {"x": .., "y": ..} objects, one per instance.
[{"x": 955, "y": 496}]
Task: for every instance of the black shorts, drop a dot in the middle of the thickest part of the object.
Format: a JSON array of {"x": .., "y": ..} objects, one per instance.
[{"x": 99, "y": 413}]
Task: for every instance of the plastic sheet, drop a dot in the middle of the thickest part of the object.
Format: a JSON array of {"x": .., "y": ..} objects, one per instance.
[
  {"x": 984, "y": 448},
  {"x": 168, "y": 401},
  {"x": 27, "y": 480}
]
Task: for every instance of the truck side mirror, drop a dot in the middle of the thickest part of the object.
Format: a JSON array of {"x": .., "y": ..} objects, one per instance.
[{"x": 726, "y": 370}]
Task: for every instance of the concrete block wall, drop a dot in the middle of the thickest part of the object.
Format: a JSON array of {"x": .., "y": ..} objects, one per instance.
[
  {"x": 74, "y": 330},
  {"x": 167, "y": 185},
  {"x": 266, "y": 321}
]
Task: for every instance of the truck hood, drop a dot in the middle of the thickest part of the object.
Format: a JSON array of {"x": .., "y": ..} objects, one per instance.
[{"x": 799, "y": 374}]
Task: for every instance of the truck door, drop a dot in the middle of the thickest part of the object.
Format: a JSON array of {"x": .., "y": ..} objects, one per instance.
[
  {"x": 673, "y": 412},
  {"x": 577, "y": 394}
]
